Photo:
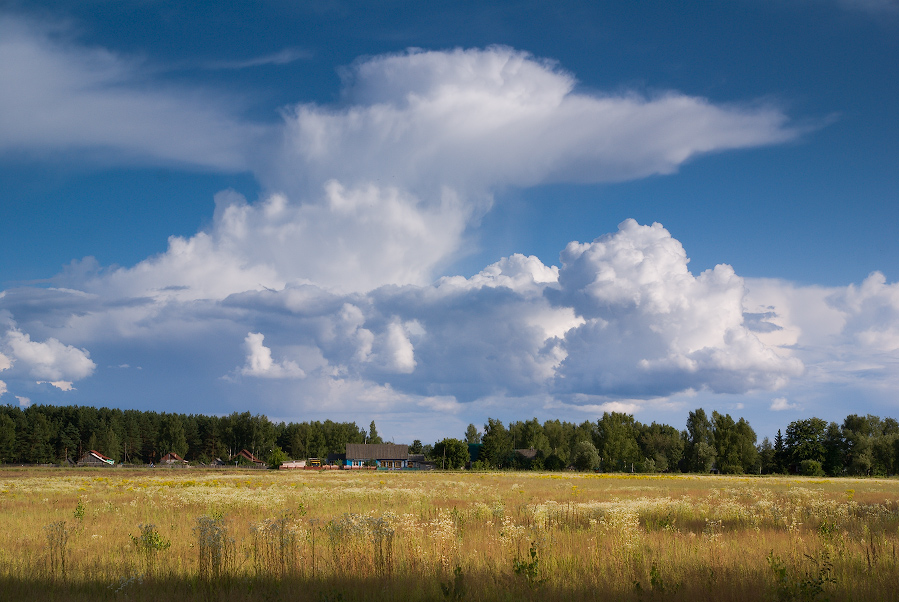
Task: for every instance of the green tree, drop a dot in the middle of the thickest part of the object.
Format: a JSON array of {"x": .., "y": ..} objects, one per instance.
[
  {"x": 497, "y": 444},
  {"x": 7, "y": 439},
  {"x": 451, "y": 454},
  {"x": 833, "y": 450},
  {"x": 172, "y": 437},
  {"x": 746, "y": 449},
  {"x": 276, "y": 458},
  {"x": 766, "y": 456},
  {"x": 109, "y": 445},
  {"x": 585, "y": 456},
  {"x": 780, "y": 454},
  {"x": 373, "y": 436},
  {"x": 472, "y": 435},
  {"x": 662, "y": 444},
  {"x": 555, "y": 433},
  {"x": 724, "y": 438},
  {"x": 805, "y": 440},
  {"x": 616, "y": 437},
  {"x": 700, "y": 447},
  {"x": 38, "y": 449}
]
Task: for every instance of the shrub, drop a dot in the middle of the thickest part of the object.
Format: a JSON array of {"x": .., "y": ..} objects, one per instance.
[{"x": 811, "y": 468}]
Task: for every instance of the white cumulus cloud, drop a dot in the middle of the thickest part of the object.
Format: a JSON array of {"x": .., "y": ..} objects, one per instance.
[
  {"x": 653, "y": 328},
  {"x": 62, "y": 385},
  {"x": 781, "y": 404},
  {"x": 260, "y": 362},
  {"x": 48, "y": 360},
  {"x": 478, "y": 119}
]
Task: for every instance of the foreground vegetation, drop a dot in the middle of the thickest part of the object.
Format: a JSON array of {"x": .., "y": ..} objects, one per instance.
[{"x": 109, "y": 534}]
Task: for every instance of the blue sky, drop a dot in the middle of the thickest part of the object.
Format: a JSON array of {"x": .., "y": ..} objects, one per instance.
[{"x": 364, "y": 211}]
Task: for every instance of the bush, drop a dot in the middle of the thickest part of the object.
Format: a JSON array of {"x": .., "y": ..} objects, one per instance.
[
  {"x": 811, "y": 468},
  {"x": 554, "y": 462}
]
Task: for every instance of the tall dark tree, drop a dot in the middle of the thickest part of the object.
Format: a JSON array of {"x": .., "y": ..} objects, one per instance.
[
  {"x": 700, "y": 447},
  {"x": 663, "y": 445},
  {"x": 8, "y": 451},
  {"x": 172, "y": 437},
  {"x": 766, "y": 456},
  {"x": 616, "y": 438},
  {"x": 834, "y": 450},
  {"x": 472, "y": 435},
  {"x": 373, "y": 436},
  {"x": 497, "y": 444},
  {"x": 805, "y": 440},
  {"x": 780, "y": 454}
]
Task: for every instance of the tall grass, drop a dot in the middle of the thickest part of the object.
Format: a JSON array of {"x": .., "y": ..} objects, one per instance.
[{"x": 443, "y": 536}]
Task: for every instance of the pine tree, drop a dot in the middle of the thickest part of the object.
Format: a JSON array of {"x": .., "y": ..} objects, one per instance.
[{"x": 373, "y": 436}]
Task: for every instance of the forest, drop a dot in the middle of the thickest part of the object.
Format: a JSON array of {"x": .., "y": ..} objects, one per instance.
[{"x": 861, "y": 445}]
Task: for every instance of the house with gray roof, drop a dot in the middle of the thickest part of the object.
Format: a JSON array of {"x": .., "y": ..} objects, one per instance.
[{"x": 383, "y": 455}]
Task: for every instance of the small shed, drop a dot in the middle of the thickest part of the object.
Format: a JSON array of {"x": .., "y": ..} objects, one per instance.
[
  {"x": 418, "y": 462},
  {"x": 95, "y": 458},
  {"x": 293, "y": 464}
]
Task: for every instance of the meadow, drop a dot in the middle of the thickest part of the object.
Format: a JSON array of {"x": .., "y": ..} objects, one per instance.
[{"x": 191, "y": 534}]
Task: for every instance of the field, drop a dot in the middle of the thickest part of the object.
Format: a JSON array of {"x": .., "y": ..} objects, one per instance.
[{"x": 109, "y": 534}]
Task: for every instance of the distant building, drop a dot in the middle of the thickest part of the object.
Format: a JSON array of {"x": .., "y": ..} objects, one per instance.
[
  {"x": 247, "y": 456},
  {"x": 336, "y": 459},
  {"x": 95, "y": 458},
  {"x": 293, "y": 464},
  {"x": 383, "y": 455},
  {"x": 526, "y": 454},
  {"x": 418, "y": 462},
  {"x": 172, "y": 458}
]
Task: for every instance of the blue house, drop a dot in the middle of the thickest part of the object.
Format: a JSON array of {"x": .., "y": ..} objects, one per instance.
[{"x": 384, "y": 455}]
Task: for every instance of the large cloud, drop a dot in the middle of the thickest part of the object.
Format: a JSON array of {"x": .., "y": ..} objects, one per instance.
[
  {"x": 652, "y": 328},
  {"x": 385, "y": 189},
  {"x": 325, "y": 288},
  {"x": 58, "y": 96},
  {"x": 480, "y": 119},
  {"x": 623, "y": 318}
]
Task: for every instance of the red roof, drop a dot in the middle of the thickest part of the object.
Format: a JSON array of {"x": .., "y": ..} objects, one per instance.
[{"x": 245, "y": 454}]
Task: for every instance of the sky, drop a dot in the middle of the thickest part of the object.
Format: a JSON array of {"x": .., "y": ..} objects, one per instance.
[{"x": 431, "y": 213}]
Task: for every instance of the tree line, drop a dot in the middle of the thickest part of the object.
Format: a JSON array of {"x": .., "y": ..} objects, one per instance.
[
  {"x": 43, "y": 434},
  {"x": 861, "y": 445}
]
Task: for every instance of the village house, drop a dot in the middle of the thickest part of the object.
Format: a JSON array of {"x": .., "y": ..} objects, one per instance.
[
  {"x": 382, "y": 455},
  {"x": 95, "y": 458},
  {"x": 244, "y": 454},
  {"x": 172, "y": 458}
]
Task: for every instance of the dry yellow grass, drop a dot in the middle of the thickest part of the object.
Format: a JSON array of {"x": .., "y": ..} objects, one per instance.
[{"x": 76, "y": 534}]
